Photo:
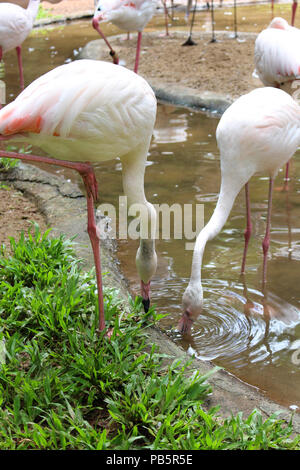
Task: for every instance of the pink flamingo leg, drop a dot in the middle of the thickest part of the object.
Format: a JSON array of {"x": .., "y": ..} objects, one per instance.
[
  {"x": 286, "y": 178},
  {"x": 248, "y": 231},
  {"x": 19, "y": 55},
  {"x": 112, "y": 52},
  {"x": 266, "y": 240},
  {"x": 166, "y": 17},
  {"x": 86, "y": 171},
  {"x": 138, "y": 51},
  {"x": 294, "y": 8}
]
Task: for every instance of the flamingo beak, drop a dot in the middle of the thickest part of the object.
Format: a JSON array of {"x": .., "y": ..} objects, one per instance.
[
  {"x": 145, "y": 291},
  {"x": 185, "y": 323},
  {"x": 96, "y": 21}
]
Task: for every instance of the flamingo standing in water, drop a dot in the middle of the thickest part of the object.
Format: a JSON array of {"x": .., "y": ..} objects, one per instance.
[
  {"x": 277, "y": 58},
  {"x": 15, "y": 25},
  {"x": 92, "y": 111},
  {"x": 129, "y": 15},
  {"x": 294, "y": 8},
  {"x": 258, "y": 133}
]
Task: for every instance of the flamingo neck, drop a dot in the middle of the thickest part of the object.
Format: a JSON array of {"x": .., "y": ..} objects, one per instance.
[
  {"x": 32, "y": 9},
  {"x": 228, "y": 193}
]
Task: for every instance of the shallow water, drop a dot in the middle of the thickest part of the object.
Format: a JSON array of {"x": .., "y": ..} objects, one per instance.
[{"x": 251, "y": 334}]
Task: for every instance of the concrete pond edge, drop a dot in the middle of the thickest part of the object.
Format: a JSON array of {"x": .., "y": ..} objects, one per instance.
[{"x": 64, "y": 207}]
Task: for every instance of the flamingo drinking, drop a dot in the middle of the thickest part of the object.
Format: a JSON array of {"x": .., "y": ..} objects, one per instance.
[
  {"x": 258, "y": 133},
  {"x": 91, "y": 111}
]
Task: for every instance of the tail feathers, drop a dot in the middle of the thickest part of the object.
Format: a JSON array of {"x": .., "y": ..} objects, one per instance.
[{"x": 12, "y": 123}]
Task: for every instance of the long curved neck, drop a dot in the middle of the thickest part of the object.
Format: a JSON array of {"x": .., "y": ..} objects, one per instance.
[
  {"x": 228, "y": 193},
  {"x": 32, "y": 9}
]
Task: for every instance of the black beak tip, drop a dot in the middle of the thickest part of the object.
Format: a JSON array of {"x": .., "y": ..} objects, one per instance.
[{"x": 146, "y": 304}]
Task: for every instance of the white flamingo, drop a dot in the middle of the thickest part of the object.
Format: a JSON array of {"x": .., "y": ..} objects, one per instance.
[
  {"x": 129, "y": 15},
  {"x": 277, "y": 54},
  {"x": 294, "y": 8},
  {"x": 277, "y": 58},
  {"x": 258, "y": 133},
  {"x": 91, "y": 111},
  {"x": 15, "y": 25}
]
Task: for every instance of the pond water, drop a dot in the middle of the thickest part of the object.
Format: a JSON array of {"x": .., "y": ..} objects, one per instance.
[{"x": 251, "y": 333}]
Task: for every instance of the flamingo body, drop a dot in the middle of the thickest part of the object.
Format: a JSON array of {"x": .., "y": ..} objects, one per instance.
[
  {"x": 86, "y": 109},
  {"x": 258, "y": 133},
  {"x": 15, "y": 25},
  {"x": 91, "y": 111},
  {"x": 277, "y": 54},
  {"x": 127, "y": 15}
]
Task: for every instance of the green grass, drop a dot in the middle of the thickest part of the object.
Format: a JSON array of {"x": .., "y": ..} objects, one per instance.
[
  {"x": 44, "y": 13},
  {"x": 64, "y": 386}
]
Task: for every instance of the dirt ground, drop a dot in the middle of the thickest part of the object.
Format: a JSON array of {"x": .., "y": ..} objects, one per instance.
[
  {"x": 16, "y": 214},
  {"x": 195, "y": 67}
]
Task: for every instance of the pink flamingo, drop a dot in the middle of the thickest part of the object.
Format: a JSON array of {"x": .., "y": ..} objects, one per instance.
[
  {"x": 277, "y": 58},
  {"x": 258, "y": 133},
  {"x": 15, "y": 25},
  {"x": 129, "y": 15},
  {"x": 92, "y": 111},
  {"x": 294, "y": 8}
]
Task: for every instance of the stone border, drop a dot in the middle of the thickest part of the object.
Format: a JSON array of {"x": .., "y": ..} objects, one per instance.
[{"x": 64, "y": 208}]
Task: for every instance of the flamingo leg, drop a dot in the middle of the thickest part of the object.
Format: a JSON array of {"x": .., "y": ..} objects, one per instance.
[
  {"x": 248, "y": 231},
  {"x": 19, "y": 55},
  {"x": 112, "y": 51},
  {"x": 138, "y": 52},
  {"x": 86, "y": 172},
  {"x": 272, "y": 8},
  {"x": 166, "y": 17},
  {"x": 294, "y": 8},
  {"x": 266, "y": 240},
  {"x": 286, "y": 178}
]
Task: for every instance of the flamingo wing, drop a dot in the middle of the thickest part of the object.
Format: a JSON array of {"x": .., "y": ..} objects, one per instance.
[
  {"x": 74, "y": 111},
  {"x": 277, "y": 56}
]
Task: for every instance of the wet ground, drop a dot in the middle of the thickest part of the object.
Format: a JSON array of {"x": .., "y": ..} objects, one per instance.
[{"x": 250, "y": 333}]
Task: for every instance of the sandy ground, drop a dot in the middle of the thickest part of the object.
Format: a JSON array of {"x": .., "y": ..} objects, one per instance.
[{"x": 197, "y": 66}]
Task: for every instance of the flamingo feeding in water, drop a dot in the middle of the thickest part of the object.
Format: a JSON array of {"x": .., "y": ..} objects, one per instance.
[
  {"x": 258, "y": 133},
  {"x": 92, "y": 111},
  {"x": 277, "y": 58},
  {"x": 129, "y": 15},
  {"x": 15, "y": 25}
]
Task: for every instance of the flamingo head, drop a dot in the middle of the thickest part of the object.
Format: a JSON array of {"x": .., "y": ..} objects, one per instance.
[
  {"x": 99, "y": 15},
  {"x": 279, "y": 23},
  {"x": 192, "y": 302}
]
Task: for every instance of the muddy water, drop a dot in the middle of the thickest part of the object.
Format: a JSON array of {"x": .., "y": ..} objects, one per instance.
[{"x": 250, "y": 333}]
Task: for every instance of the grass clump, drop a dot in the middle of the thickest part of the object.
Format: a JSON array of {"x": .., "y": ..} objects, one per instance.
[{"x": 64, "y": 386}]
